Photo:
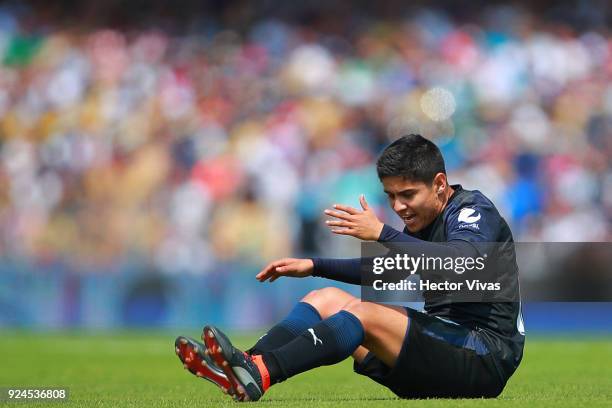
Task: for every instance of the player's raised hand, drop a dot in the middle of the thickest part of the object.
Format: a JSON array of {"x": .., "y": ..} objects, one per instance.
[
  {"x": 364, "y": 225},
  {"x": 293, "y": 267}
]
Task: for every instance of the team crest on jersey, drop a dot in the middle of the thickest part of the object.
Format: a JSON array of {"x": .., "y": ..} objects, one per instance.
[{"x": 469, "y": 217}]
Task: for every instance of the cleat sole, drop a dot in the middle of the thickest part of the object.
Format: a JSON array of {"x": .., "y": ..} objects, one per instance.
[
  {"x": 187, "y": 351},
  {"x": 216, "y": 352}
]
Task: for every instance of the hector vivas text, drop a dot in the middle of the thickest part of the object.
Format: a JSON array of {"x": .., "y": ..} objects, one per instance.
[{"x": 414, "y": 265}]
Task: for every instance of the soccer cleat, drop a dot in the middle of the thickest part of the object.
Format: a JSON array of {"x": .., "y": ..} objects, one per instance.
[
  {"x": 248, "y": 381},
  {"x": 195, "y": 358}
]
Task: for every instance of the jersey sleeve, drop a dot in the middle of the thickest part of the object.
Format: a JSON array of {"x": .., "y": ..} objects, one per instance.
[{"x": 342, "y": 270}]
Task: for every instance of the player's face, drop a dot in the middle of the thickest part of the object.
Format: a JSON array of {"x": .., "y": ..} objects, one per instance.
[{"x": 417, "y": 203}]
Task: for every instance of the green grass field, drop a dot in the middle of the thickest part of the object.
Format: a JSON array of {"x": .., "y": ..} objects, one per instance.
[{"x": 141, "y": 370}]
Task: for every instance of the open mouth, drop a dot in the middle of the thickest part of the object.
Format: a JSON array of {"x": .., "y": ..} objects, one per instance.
[{"x": 409, "y": 218}]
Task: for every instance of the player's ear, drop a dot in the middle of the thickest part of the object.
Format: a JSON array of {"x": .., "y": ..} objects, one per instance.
[{"x": 439, "y": 183}]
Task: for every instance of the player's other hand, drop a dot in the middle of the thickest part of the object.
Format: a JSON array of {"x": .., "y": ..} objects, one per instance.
[
  {"x": 293, "y": 267},
  {"x": 364, "y": 225}
]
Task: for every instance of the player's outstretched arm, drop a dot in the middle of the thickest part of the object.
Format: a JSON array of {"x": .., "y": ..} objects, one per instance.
[
  {"x": 293, "y": 267},
  {"x": 364, "y": 225}
]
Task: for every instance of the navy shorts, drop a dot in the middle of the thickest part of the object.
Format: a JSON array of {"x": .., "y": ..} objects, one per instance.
[{"x": 439, "y": 359}]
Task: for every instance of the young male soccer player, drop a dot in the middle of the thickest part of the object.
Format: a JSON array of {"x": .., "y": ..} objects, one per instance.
[{"x": 452, "y": 349}]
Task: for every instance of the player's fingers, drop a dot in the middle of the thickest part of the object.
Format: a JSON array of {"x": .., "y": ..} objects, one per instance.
[
  {"x": 274, "y": 274},
  {"x": 344, "y": 231},
  {"x": 281, "y": 262},
  {"x": 363, "y": 202},
  {"x": 264, "y": 272},
  {"x": 346, "y": 208},
  {"x": 270, "y": 267},
  {"x": 262, "y": 276},
  {"x": 340, "y": 224},
  {"x": 338, "y": 214}
]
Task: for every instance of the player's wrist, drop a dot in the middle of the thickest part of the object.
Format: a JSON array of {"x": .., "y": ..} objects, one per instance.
[
  {"x": 310, "y": 269},
  {"x": 311, "y": 266},
  {"x": 378, "y": 231}
]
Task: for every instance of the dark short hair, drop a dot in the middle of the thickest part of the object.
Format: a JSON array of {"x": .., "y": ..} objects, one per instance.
[{"x": 412, "y": 157}]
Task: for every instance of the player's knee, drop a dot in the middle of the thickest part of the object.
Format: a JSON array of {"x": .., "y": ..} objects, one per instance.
[
  {"x": 327, "y": 301},
  {"x": 361, "y": 310}
]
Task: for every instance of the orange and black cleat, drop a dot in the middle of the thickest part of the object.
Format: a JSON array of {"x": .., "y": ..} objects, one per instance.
[
  {"x": 195, "y": 358},
  {"x": 248, "y": 375}
]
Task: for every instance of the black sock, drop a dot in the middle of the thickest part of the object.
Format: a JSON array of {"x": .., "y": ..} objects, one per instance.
[
  {"x": 328, "y": 342},
  {"x": 303, "y": 316}
]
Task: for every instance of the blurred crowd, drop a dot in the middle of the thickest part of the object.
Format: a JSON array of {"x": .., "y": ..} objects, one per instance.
[{"x": 213, "y": 145}]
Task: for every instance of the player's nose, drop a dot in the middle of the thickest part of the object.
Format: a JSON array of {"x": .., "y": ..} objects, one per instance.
[{"x": 398, "y": 206}]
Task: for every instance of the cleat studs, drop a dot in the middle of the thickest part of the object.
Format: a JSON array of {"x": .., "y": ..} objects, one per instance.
[
  {"x": 185, "y": 366},
  {"x": 206, "y": 352},
  {"x": 183, "y": 341},
  {"x": 177, "y": 350},
  {"x": 224, "y": 364},
  {"x": 199, "y": 374},
  {"x": 224, "y": 390},
  {"x": 219, "y": 350},
  {"x": 195, "y": 349},
  {"x": 188, "y": 359},
  {"x": 204, "y": 363},
  {"x": 210, "y": 334}
]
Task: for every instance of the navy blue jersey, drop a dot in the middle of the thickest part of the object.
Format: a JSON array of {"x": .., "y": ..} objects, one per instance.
[{"x": 470, "y": 216}]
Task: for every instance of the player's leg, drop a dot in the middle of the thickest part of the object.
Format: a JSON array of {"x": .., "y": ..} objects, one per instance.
[
  {"x": 385, "y": 329},
  {"x": 326, "y": 301},
  {"x": 380, "y": 328},
  {"x": 308, "y": 312},
  {"x": 358, "y": 327},
  {"x": 329, "y": 301},
  {"x": 317, "y": 305},
  {"x": 360, "y": 354}
]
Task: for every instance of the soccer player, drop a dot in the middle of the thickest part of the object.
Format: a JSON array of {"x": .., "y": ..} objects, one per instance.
[{"x": 450, "y": 350}]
